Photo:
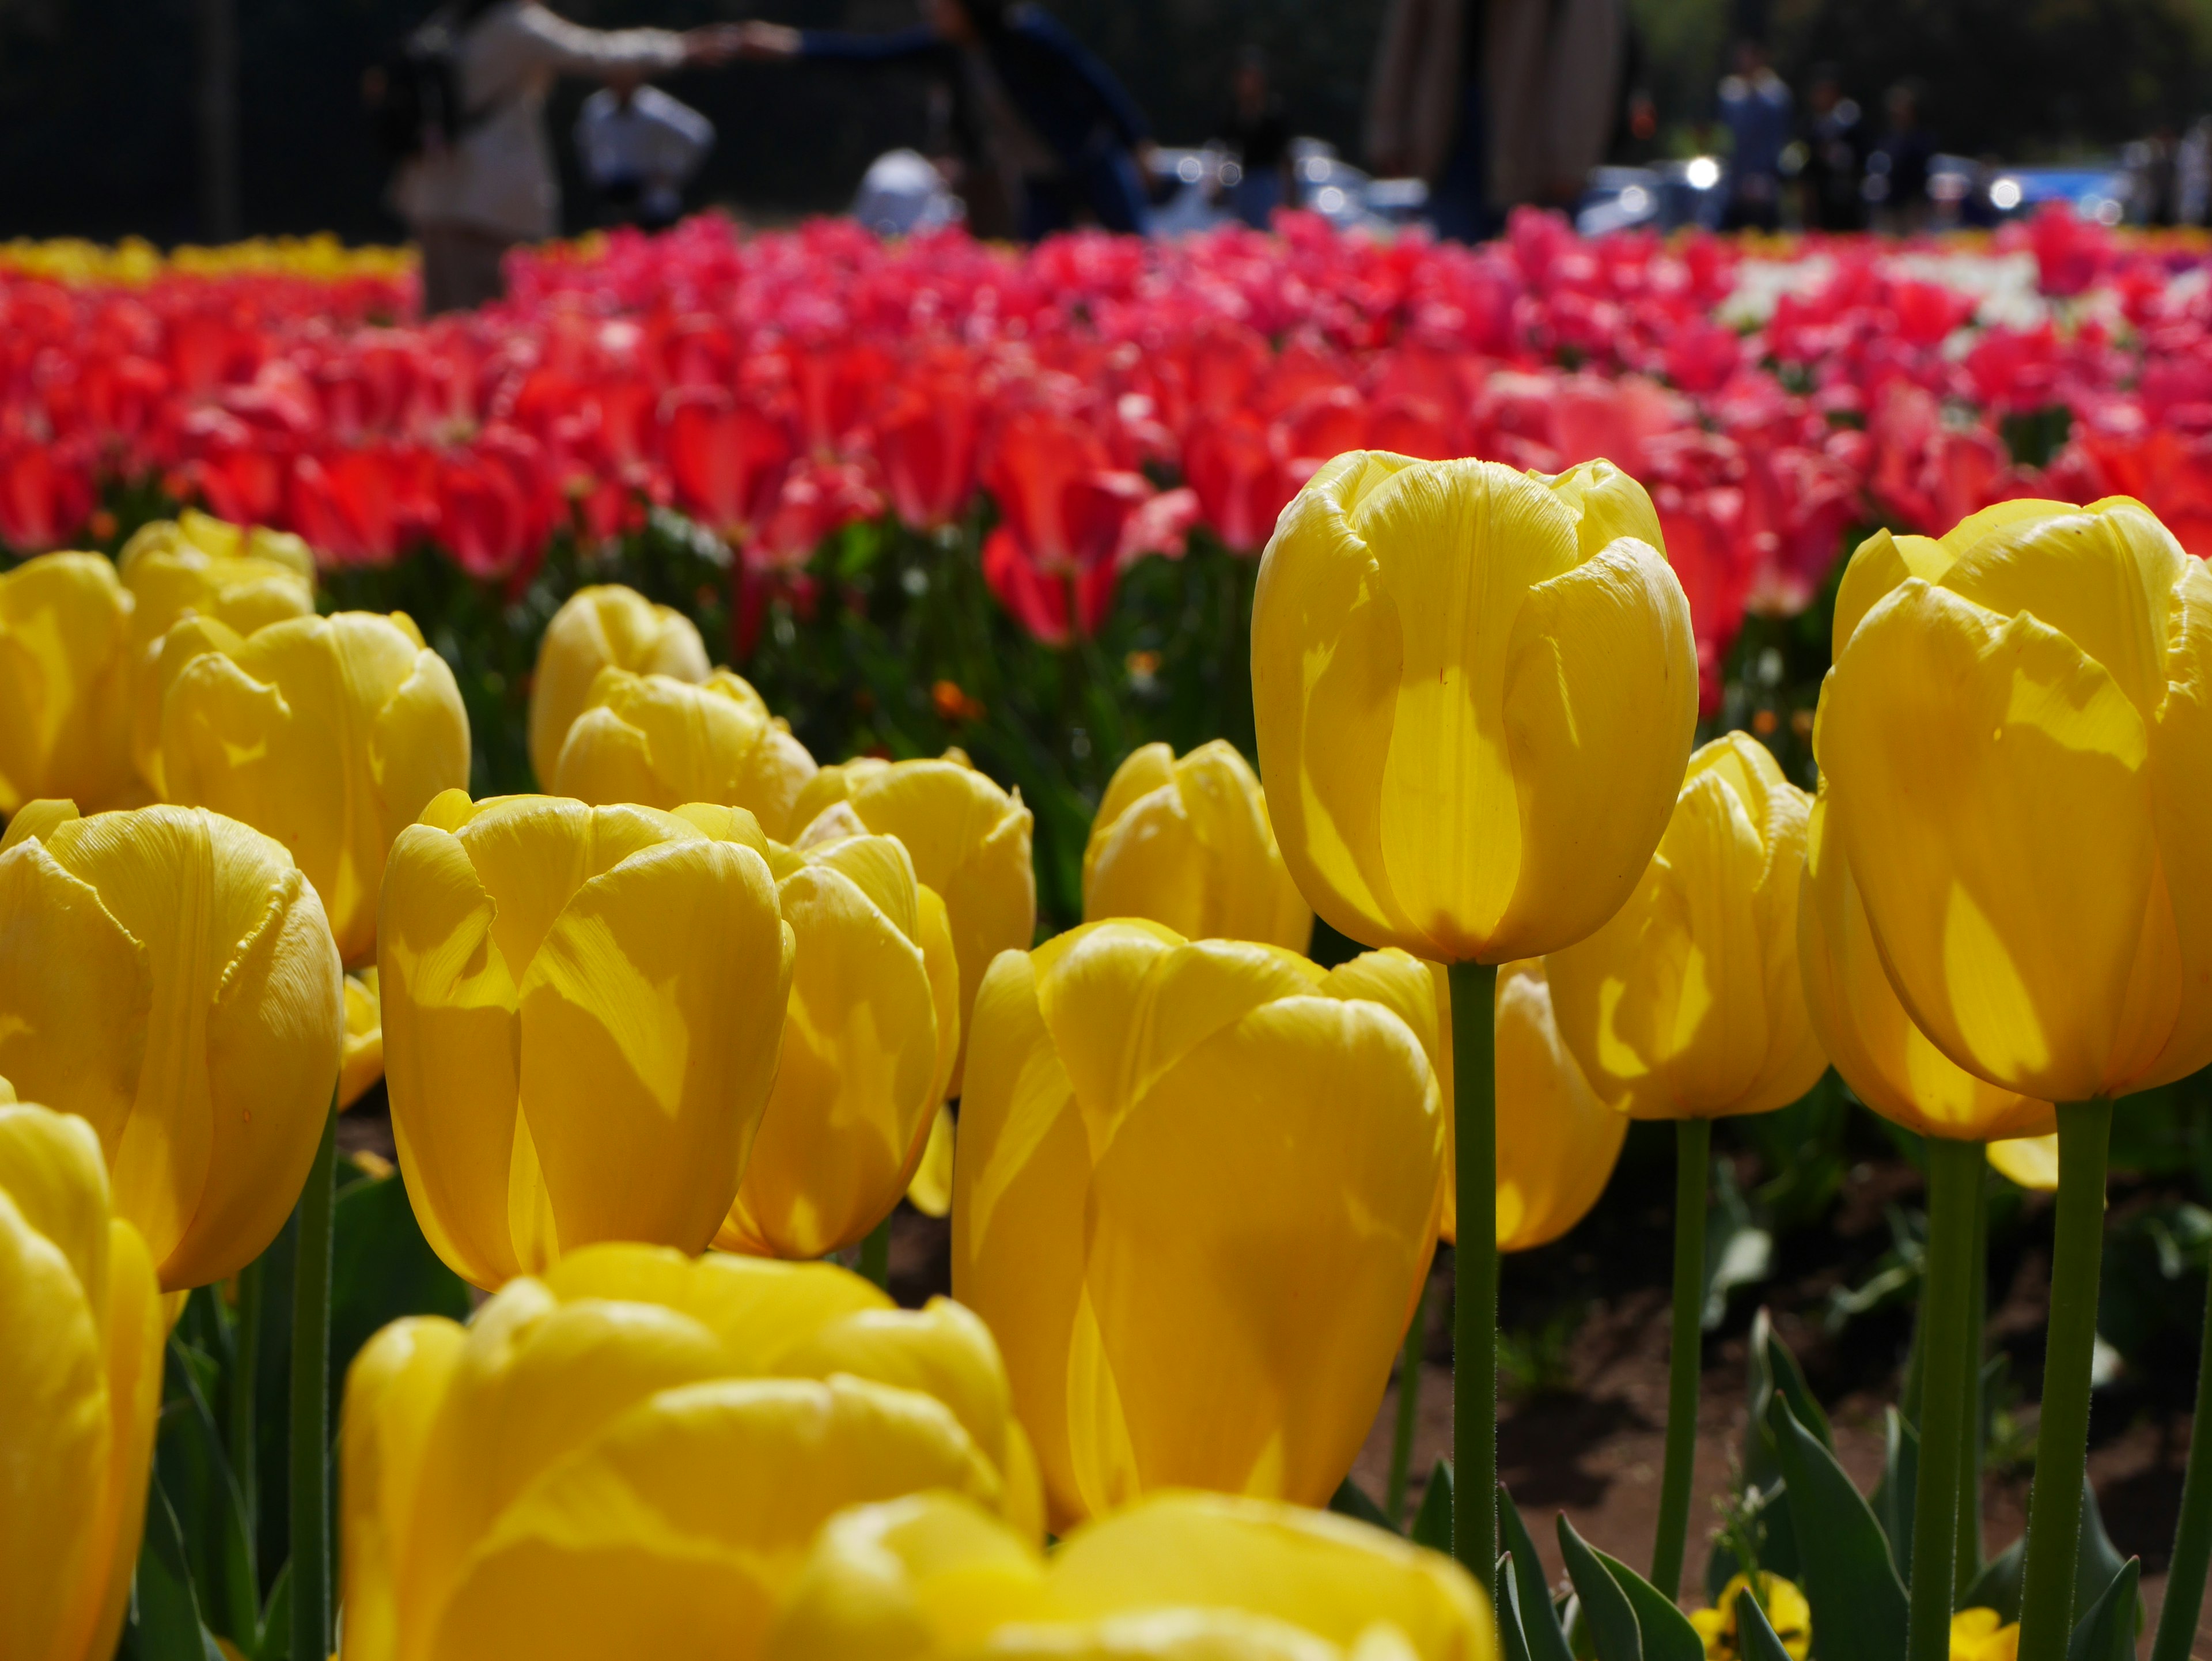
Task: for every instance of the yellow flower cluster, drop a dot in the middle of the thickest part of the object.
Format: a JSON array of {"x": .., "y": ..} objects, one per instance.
[{"x": 136, "y": 261}]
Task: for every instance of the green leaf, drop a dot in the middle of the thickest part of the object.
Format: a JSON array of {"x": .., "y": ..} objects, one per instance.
[
  {"x": 1350, "y": 1499},
  {"x": 1858, "y": 1600},
  {"x": 1789, "y": 1383},
  {"x": 382, "y": 1268},
  {"x": 1997, "y": 1586},
  {"x": 2107, "y": 1632},
  {"x": 1607, "y": 1612},
  {"x": 210, "y": 1512},
  {"x": 1755, "y": 1634},
  {"x": 166, "y": 1624},
  {"x": 2097, "y": 1562},
  {"x": 1667, "y": 1632},
  {"x": 1432, "y": 1523},
  {"x": 1512, "y": 1645},
  {"x": 1893, "y": 1494},
  {"x": 1738, "y": 1251},
  {"x": 1545, "y": 1640}
]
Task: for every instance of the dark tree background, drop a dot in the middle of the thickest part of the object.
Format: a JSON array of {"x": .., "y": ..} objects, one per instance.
[{"x": 98, "y": 136}]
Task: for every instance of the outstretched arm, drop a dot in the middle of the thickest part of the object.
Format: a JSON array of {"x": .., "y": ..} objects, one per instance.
[
  {"x": 774, "y": 40},
  {"x": 1127, "y": 120},
  {"x": 573, "y": 49}
]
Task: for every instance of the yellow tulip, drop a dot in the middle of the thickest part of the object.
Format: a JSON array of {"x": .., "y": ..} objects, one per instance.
[
  {"x": 1889, "y": 1062},
  {"x": 2030, "y": 1161},
  {"x": 935, "y": 1575},
  {"x": 969, "y": 841},
  {"x": 196, "y": 566},
  {"x": 1983, "y": 1634},
  {"x": 81, "y": 1337},
  {"x": 632, "y": 1455},
  {"x": 867, "y": 1048},
  {"x": 929, "y": 1190},
  {"x": 1474, "y": 691},
  {"x": 663, "y": 742},
  {"x": 1197, "y": 1192},
  {"x": 2017, "y": 741},
  {"x": 596, "y": 628},
  {"x": 361, "y": 1063},
  {"x": 582, "y": 1010},
  {"x": 168, "y": 974},
  {"x": 64, "y": 683},
  {"x": 1689, "y": 1003},
  {"x": 1787, "y": 1613},
  {"x": 331, "y": 734},
  {"x": 1187, "y": 843}
]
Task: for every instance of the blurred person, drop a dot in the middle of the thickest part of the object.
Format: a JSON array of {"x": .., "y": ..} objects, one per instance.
[
  {"x": 1755, "y": 109},
  {"x": 1257, "y": 132},
  {"x": 487, "y": 181},
  {"x": 2162, "y": 178},
  {"x": 1835, "y": 157},
  {"x": 638, "y": 147},
  {"x": 1495, "y": 102},
  {"x": 1897, "y": 172},
  {"x": 1040, "y": 111},
  {"x": 2193, "y": 173}
]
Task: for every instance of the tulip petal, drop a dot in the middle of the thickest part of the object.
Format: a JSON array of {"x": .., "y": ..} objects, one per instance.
[
  {"x": 533, "y": 853},
  {"x": 758, "y": 1310},
  {"x": 1256, "y": 1230},
  {"x": 1601, "y": 702},
  {"x": 595, "y": 628},
  {"x": 138, "y": 1331},
  {"x": 1090, "y": 984},
  {"x": 1556, "y": 1143},
  {"x": 451, "y": 1026},
  {"x": 394, "y": 1390},
  {"x": 1966, "y": 842},
  {"x": 51, "y": 1170},
  {"x": 651, "y": 1020}
]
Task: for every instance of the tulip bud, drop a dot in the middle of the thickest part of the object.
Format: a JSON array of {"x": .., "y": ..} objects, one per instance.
[
  {"x": 1474, "y": 689},
  {"x": 81, "y": 1337},
  {"x": 594, "y": 628},
  {"x": 582, "y": 1010},
  {"x": 2017, "y": 742},
  {"x": 632, "y": 1455},
  {"x": 2030, "y": 1161},
  {"x": 934, "y": 1574},
  {"x": 1197, "y": 1193},
  {"x": 1187, "y": 843},
  {"x": 1689, "y": 1003},
  {"x": 168, "y": 974},
  {"x": 662, "y": 742},
  {"x": 867, "y": 1048},
  {"x": 64, "y": 683},
  {"x": 1888, "y": 1062},
  {"x": 361, "y": 1063},
  {"x": 331, "y": 734},
  {"x": 968, "y": 839},
  {"x": 197, "y": 567}
]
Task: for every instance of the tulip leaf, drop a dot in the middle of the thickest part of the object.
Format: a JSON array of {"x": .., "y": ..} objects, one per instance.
[
  {"x": 277, "y": 1619},
  {"x": 1432, "y": 1523},
  {"x": 1545, "y": 1641},
  {"x": 1754, "y": 1633},
  {"x": 1350, "y": 1499},
  {"x": 204, "y": 1496},
  {"x": 1858, "y": 1600},
  {"x": 2097, "y": 1562},
  {"x": 382, "y": 1268},
  {"x": 2107, "y": 1632},
  {"x": 1608, "y": 1614},
  {"x": 1512, "y": 1645},
  {"x": 165, "y": 1623},
  {"x": 1893, "y": 1494},
  {"x": 1998, "y": 1585},
  {"x": 1667, "y": 1632}
]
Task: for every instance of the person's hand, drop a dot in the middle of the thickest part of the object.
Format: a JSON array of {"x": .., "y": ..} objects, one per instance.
[
  {"x": 1148, "y": 158},
  {"x": 717, "y": 43},
  {"x": 767, "y": 41}
]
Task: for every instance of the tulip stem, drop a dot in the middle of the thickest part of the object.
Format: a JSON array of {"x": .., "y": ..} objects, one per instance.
[
  {"x": 244, "y": 1376},
  {"x": 1966, "y": 1565},
  {"x": 1694, "y": 1147},
  {"x": 1409, "y": 1407},
  {"x": 311, "y": 1403},
  {"x": 2061, "y": 1438},
  {"x": 1954, "y": 1171},
  {"x": 1475, "y": 1268},
  {"x": 876, "y": 1255},
  {"x": 2193, "y": 1536}
]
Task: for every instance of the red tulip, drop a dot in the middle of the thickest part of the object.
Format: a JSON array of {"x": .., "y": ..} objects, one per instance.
[
  {"x": 45, "y": 496},
  {"x": 727, "y": 459}
]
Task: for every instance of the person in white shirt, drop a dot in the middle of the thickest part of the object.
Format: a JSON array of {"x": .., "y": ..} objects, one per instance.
[
  {"x": 638, "y": 147},
  {"x": 470, "y": 200}
]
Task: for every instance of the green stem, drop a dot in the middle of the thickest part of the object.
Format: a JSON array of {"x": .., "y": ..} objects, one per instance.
[
  {"x": 2061, "y": 1438},
  {"x": 245, "y": 1376},
  {"x": 1966, "y": 1564},
  {"x": 1694, "y": 1145},
  {"x": 1954, "y": 1171},
  {"x": 1475, "y": 1268},
  {"x": 2193, "y": 1536},
  {"x": 876, "y": 1255},
  {"x": 311, "y": 1403},
  {"x": 1409, "y": 1406}
]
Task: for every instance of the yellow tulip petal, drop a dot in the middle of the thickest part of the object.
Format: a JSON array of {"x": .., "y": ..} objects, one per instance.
[
  {"x": 2181, "y": 803},
  {"x": 1304, "y": 1137},
  {"x": 1556, "y": 1143},
  {"x": 1607, "y": 504},
  {"x": 1090, "y": 985},
  {"x": 360, "y": 1067},
  {"x": 930, "y": 1189},
  {"x": 64, "y": 682},
  {"x": 137, "y": 1332},
  {"x": 533, "y": 853},
  {"x": 595, "y": 628},
  {"x": 37, "y": 818},
  {"x": 651, "y": 1018},
  {"x": 51, "y": 1170},
  {"x": 393, "y": 1391},
  {"x": 2031, "y": 1161},
  {"x": 2024, "y": 752}
]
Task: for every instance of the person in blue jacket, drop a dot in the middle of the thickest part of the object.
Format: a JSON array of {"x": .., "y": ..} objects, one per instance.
[{"x": 1036, "y": 109}]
